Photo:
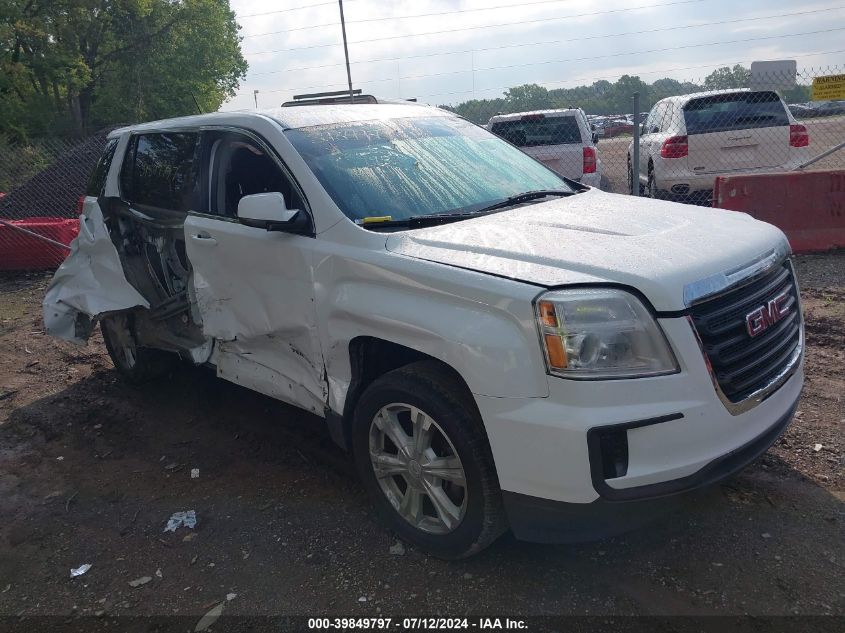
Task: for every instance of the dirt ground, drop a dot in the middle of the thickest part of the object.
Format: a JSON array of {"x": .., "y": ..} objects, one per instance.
[{"x": 91, "y": 469}]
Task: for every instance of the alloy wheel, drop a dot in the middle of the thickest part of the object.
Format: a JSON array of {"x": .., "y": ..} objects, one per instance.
[{"x": 417, "y": 468}]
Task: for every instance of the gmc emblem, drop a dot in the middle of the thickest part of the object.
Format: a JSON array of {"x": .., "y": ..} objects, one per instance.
[{"x": 765, "y": 316}]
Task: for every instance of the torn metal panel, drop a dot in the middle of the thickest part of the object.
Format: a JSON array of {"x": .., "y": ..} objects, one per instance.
[
  {"x": 255, "y": 295},
  {"x": 89, "y": 283},
  {"x": 270, "y": 372}
]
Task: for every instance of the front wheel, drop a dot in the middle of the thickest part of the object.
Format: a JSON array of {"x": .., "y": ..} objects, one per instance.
[{"x": 423, "y": 457}]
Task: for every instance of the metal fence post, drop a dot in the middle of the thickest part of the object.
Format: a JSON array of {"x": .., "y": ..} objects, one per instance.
[{"x": 635, "y": 158}]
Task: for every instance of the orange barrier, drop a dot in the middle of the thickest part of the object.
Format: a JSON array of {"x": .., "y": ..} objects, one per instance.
[
  {"x": 808, "y": 206},
  {"x": 24, "y": 251}
]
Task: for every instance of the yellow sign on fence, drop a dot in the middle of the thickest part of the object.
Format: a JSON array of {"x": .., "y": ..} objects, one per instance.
[{"x": 828, "y": 87}]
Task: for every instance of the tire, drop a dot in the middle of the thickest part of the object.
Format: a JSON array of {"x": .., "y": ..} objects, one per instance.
[
  {"x": 452, "y": 517},
  {"x": 631, "y": 181},
  {"x": 137, "y": 365},
  {"x": 653, "y": 190}
]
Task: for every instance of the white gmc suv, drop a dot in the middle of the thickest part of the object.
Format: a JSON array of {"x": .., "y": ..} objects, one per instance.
[
  {"x": 498, "y": 347},
  {"x": 687, "y": 141}
]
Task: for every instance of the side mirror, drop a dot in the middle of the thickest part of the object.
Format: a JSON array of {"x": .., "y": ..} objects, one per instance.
[
  {"x": 269, "y": 211},
  {"x": 595, "y": 138},
  {"x": 642, "y": 129}
]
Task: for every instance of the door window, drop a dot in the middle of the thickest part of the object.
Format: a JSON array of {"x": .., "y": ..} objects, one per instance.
[
  {"x": 159, "y": 171},
  {"x": 241, "y": 167},
  {"x": 666, "y": 119},
  {"x": 655, "y": 118},
  {"x": 97, "y": 182}
]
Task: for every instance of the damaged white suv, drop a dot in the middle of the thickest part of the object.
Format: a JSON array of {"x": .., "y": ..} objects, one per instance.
[{"x": 497, "y": 346}]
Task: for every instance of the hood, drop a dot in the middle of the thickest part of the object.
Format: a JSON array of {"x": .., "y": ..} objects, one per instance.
[{"x": 654, "y": 246}]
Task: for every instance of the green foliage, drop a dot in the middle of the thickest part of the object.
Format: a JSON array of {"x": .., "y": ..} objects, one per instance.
[
  {"x": 725, "y": 78},
  {"x": 604, "y": 97},
  {"x": 71, "y": 66},
  {"x": 526, "y": 97},
  {"x": 19, "y": 162}
]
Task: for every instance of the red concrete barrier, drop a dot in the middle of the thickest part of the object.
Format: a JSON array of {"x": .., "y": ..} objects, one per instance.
[
  {"x": 808, "y": 206},
  {"x": 21, "y": 251}
]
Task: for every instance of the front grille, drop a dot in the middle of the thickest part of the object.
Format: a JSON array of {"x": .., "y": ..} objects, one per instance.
[{"x": 743, "y": 364}]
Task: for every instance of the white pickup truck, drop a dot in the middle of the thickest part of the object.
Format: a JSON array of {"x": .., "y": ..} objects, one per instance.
[
  {"x": 498, "y": 347},
  {"x": 561, "y": 139}
]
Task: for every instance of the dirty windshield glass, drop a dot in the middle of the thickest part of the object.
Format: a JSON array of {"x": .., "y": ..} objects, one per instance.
[{"x": 417, "y": 166}]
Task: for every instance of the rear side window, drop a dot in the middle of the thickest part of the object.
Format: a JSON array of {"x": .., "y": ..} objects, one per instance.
[
  {"x": 160, "y": 171},
  {"x": 97, "y": 182},
  {"x": 539, "y": 130},
  {"x": 734, "y": 111}
]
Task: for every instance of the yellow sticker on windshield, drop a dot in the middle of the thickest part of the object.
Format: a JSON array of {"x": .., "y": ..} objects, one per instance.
[{"x": 376, "y": 218}]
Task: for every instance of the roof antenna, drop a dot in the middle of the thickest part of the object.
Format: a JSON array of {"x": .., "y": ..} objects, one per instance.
[{"x": 196, "y": 103}]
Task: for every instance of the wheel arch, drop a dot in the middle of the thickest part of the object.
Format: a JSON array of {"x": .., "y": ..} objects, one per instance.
[{"x": 370, "y": 358}]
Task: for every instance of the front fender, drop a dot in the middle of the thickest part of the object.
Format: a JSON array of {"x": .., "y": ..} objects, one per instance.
[{"x": 481, "y": 326}]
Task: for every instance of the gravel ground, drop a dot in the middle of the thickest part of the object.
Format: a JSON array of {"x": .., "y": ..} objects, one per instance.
[{"x": 91, "y": 469}]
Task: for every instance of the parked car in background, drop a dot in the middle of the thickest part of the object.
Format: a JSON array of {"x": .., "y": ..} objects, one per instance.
[
  {"x": 688, "y": 140},
  {"x": 636, "y": 118},
  {"x": 800, "y": 110},
  {"x": 561, "y": 139},
  {"x": 496, "y": 346},
  {"x": 610, "y": 127},
  {"x": 817, "y": 109}
]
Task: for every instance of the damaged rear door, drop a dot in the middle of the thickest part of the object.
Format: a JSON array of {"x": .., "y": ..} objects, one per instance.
[{"x": 254, "y": 288}]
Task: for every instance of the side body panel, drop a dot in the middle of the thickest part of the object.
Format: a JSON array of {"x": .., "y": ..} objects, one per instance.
[
  {"x": 481, "y": 326},
  {"x": 254, "y": 292}
]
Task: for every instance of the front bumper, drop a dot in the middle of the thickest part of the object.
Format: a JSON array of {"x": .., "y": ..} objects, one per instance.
[
  {"x": 679, "y": 436},
  {"x": 618, "y": 511},
  {"x": 669, "y": 175},
  {"x": 591, "y": 180}
]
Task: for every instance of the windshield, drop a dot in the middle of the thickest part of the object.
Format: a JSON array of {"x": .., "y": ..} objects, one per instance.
[{"x": 404, "y": 168}]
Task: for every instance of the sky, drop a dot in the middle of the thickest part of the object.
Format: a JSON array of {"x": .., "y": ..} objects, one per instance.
[{"x": 448, "y": 51}]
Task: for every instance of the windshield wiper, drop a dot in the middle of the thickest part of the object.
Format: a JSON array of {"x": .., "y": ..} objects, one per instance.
[
  {"x": 419, "y": 221},
  {"x": 526, "y": 196}
]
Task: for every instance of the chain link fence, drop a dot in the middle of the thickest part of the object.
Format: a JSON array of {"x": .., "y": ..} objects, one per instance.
[
  {"x": 689, "y": 133},
  {"x": 42, "y": 182}
]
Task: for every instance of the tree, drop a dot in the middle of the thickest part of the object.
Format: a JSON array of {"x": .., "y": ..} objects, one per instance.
[
  {"x": 479, "y": 110},
  {"x": 620, "y": 96},
  {"x": 725, "y": 78},
  {"x": 75, "y": 65},
  {"x": 526, "y": 97}
]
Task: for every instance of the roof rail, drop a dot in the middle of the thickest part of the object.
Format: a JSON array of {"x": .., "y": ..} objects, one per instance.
[{"x": 327, "y": 98}]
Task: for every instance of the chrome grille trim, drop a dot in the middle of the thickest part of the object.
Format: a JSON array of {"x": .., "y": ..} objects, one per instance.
[{"x": 747, "y": 400}]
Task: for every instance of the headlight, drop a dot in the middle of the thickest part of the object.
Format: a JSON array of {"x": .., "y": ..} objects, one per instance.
[{"x": 593, "y": 333}]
